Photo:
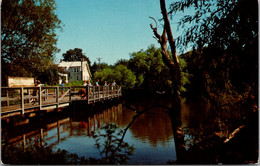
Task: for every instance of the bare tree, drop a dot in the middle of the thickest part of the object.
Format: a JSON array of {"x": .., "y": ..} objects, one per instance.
[{"x": 173, "y": 63}]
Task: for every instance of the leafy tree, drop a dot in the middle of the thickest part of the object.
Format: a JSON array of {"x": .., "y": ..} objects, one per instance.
[
  {"x": 124, "y": 76},
  {"x": 95, "y": 67},
  {"x": 75, "y": 55},
  {"x": 122, "y": 62},
  {"x": 28, "y": 36},
  {"x": 49, "y": 73},
  {"x": 224, "y": 35},
  {"x": 151, "y": 72},
  {"x": 121, "y": 74}
]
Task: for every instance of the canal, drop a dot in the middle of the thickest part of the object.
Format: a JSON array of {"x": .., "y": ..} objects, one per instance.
[{"x": 148, "y": 137}]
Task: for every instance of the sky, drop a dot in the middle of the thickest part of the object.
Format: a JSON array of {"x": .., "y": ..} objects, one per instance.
[{"x": 107, "y": 29}]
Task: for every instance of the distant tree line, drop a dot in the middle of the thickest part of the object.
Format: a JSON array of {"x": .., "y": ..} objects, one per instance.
[{"x": 144, "y": 70}]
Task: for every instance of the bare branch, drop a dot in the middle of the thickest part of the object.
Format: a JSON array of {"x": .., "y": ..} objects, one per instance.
[
  {"x": 156, "y": 34},
  {"x": 154, "y": 21}
]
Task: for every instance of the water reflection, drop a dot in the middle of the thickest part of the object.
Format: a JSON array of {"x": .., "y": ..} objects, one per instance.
[
  {"x": 150, "y": 133},
  {"x": 220, "y": 136}
]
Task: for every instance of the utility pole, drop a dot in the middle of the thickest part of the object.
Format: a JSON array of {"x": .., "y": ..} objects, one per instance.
[{"x": 99, "y": 59}]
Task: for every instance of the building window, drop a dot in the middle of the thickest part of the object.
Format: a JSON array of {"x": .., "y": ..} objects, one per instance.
[{"x": 77, "y": 78}]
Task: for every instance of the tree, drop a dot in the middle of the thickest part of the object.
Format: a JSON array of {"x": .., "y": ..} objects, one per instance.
[
  {"x": 75, "y": 55},
  {"x": 174, "y": 67},
  {"x": 224, "y": 35},
  {"x": 122, "y": 62},
  {"x": 27, "y": 35},
  {"x": 151, "y": 73},
  {"x": 95, "y": 67},
  {"x": 121, "y": 74}
]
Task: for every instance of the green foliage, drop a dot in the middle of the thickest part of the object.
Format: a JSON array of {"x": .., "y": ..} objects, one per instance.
[
  {"x": 95, "y": 67},
  {"x": 35, "y": 154},
  {"x": 121, "y": 74},
  {"x": 224, "y": 35},
  {"x": 75, "y": 83},
  {"x": 28, "y": 36},
  {"x": 219, "y": 23},
  {"x": 151, "y": 72},
  {"x": 75, "y": 55},
  {"x": 122, "y": 62},
  {"x": 124, "y": 76},
  {"x": 112, "y": 148},
  {"x": 145, "y": 70}
]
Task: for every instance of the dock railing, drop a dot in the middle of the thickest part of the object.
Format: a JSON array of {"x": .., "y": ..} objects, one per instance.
[{"x": 15, "y": 99}]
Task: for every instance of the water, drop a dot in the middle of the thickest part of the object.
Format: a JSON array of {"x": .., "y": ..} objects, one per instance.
[{"x": 150, "y": 133}]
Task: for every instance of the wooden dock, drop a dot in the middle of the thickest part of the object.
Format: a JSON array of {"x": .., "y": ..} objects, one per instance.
[{"x": 22, "y": 100}]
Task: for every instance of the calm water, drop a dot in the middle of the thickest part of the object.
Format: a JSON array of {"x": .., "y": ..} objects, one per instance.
[{"x": 150, "y": 134}]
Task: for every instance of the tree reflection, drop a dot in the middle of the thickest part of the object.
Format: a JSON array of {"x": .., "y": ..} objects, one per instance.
[{"x": 112, "y": 148}]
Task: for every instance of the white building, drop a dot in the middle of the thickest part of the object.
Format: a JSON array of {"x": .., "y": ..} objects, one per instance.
[{"x": 75, "y": 71}]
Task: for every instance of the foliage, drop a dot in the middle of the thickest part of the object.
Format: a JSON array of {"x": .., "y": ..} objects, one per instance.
[
  {"x": 122, "y": 62},
  {"x": 34, "y": 154},
  {"x": 95, "y": 67},
  {"x": 121, "y": 74},
  {"x": 219, "y": 23},
  {"x": 75, "y": 55},
  {"x": 28, "y": 36},
  {"x": 75, "y": 83},
  {"x": 151, "y": 72},
  {"x": 112, "y": 149},
  {"x": 224, "y": 35},
  {"x": 49, "y": 73}
]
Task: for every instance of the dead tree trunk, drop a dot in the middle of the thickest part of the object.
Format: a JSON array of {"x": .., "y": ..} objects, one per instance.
[{"x": 173, "y": 65}]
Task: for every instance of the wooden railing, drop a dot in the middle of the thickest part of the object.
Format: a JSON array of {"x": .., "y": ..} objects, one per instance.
[{"x": 24, "y": 98}]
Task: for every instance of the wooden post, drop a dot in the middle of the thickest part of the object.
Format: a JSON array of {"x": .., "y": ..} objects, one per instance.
[
  {"x": 98, "y": 93},
  {"x": 93, "y": 94},
  {"x": 88, "y": 93},
  {"x": 24, "y": 143},
  {"x": 40, "y": 97},
  {"x": 7, "y": 96},
  {"x": 41, "y": 137},
  {"x": 29, "y": 94},
  {"x": 47, "y": 93},
  {"x": 22, "y": 100},
  {"x": 58, "y": 130},
  {"x": 57, "y": 96},
  {"x": 109, "y": 92},
  {"x": 70, "y": 94}
]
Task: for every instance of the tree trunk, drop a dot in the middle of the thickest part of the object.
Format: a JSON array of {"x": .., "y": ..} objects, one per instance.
[{"x": 173, "y": 64}]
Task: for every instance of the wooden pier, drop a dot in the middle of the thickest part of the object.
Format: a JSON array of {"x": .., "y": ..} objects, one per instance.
[{"x": 22, "y": 100}]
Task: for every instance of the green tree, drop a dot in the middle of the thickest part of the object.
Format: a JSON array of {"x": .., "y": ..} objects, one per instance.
[
  {"x": 75, "y": 55},
  {"x": 152, "y": 73},
  {"x": 122, "y": 62},
  {"x": 121, "y": 74},
  {"x": 95, "y": 67},
  {"x": 28, "y": 36},
  {"x": 224, "y": 35}
]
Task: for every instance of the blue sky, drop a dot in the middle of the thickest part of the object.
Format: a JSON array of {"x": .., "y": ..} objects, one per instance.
[{"x": 109, "y": 29}]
